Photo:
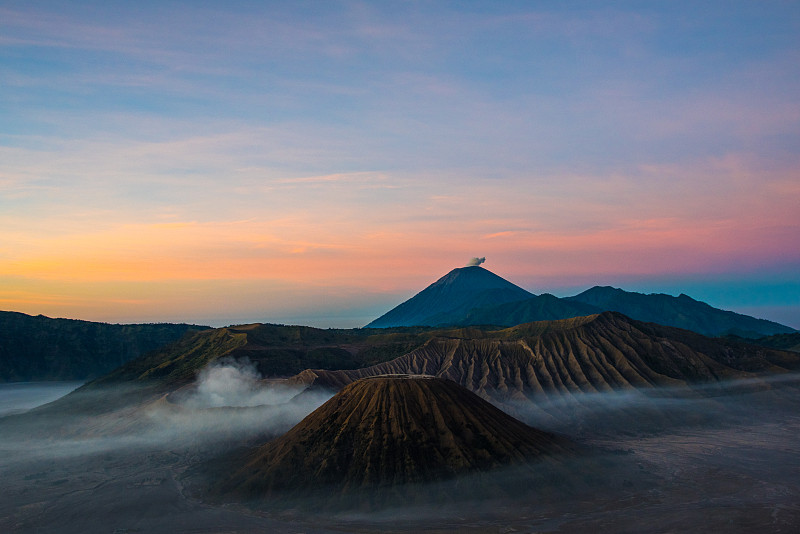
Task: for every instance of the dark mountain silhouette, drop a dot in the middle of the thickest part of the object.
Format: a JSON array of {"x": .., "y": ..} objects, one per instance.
[
  {"x": 778, "y": 341},
  {"x": 40, "y": 348},
  {"x": 383, "y": 432},
  {"x": 562, "y": 358},
  {"x": 545, "y": 307},
  {"x": 451, "y": 298},
  {"x": 475, "y": 296},
  {"x": 681, "y": 311}
]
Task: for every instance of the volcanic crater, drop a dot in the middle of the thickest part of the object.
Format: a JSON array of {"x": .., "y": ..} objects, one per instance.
[{"x": 385, "y": 432}]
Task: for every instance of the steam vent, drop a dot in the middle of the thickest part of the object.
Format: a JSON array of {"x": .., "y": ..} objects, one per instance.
[{"x": 389, "y": 431}]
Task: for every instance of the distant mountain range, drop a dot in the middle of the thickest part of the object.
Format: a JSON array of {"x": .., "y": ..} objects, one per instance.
[
  {"x": 475, "y": 296},
  {"x": 681, "y": 311},
  {"x": 40, "y": 348}
]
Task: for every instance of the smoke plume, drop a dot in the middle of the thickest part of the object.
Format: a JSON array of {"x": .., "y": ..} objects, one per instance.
[
  {"x": 236, "y": 383},
  {"x": 474, "y": 262}
]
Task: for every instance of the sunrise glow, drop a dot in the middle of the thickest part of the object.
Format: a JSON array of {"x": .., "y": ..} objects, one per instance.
[{"x": 245, "y": 163}]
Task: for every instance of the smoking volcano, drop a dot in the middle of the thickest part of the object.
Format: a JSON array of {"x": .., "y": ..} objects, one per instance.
[
  {"x": 450, "y": 298},
  {"x": 379, "y": 434}
]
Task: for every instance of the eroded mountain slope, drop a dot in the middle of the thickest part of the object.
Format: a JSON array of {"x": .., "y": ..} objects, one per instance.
[
  {"x": 382, "y": 432},
  {"x": 586, "y": 354}
]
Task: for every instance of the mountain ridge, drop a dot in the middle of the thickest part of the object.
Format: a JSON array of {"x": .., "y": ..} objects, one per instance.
[
  {"x": 587, "y": 354},
  {"x": 42, "y": 348},
  {"x": 682, "y": 311},
  {"x": 457, "y": 300}
]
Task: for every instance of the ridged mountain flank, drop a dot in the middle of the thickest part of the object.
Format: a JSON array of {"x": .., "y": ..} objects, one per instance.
[
  {"x": 385, "y": 432},
  {"x": 451, "y": 298},
  {"x": 554, "y": 359}
]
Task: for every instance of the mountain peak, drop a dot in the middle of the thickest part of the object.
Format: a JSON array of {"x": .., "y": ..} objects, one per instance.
[
  {"x": 386, "y": 431},
  {"x": 474, "y": 275},
  {"x": 451, "y": 297}
]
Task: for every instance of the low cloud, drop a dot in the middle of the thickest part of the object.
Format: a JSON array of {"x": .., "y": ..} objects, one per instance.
[
  {"x": 237, "y": 383},
  {"x": 228, "y": 404}
]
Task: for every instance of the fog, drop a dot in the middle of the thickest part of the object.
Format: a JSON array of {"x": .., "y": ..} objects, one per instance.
[
  {"x": 654, "y": 410},
  {"x": 19, "y": 397},
  {"x": 228, "y": 406},
  {"x": 236, "y": 383},
  {"x": 706, "y": 458}
]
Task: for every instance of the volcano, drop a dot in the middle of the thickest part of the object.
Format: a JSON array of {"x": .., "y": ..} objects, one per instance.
[
  {"x": 450, "y": 298},
  {"x": 474, "y": 296},
  {"x": 389, "y": 431}
]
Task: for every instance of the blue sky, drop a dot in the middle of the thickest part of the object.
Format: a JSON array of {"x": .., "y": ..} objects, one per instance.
[{"x": 319, "y": 162}]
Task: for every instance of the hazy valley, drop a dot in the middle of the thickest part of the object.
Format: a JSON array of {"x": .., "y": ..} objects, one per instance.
[
  {"x": 607, "y": 423},
  {"x": 725, "y": 462}
]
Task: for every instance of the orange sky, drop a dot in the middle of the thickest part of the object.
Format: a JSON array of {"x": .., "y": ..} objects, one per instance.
[{"x": 252, "y": 163}]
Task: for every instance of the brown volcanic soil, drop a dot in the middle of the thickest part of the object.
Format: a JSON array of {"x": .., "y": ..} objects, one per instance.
[
  {"x": 387, "y": 431},
  {"x": 591, "y": 354}
]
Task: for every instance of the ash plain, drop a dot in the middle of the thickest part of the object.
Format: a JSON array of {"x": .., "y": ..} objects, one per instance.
[{"x": 675, "y": 460}]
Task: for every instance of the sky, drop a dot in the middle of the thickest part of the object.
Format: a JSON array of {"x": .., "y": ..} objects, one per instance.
[{"x": 320, "y": 162}]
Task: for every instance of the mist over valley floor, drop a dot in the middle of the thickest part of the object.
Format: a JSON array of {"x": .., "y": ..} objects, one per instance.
[
  {"x": 673, "y": 459},
  {"x": 19, "y": 397}
]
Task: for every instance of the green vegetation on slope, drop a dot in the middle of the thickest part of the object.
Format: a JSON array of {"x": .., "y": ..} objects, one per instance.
[
  {"x": 178, "y": 362},
  {"x": 275, "y": 350}
]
